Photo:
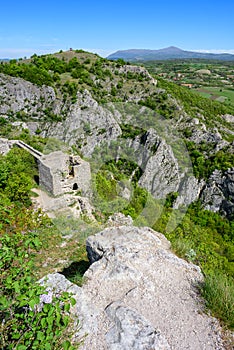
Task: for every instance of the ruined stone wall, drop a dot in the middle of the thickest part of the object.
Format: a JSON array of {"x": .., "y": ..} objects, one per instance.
[
  {"x": 45, "y": 177},
  {"x": 60, "y": 173},
  {"x": 80, "y": 176}
]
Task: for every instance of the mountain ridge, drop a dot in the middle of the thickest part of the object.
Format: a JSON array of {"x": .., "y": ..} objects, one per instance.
[{"x": 171, "y": 52}]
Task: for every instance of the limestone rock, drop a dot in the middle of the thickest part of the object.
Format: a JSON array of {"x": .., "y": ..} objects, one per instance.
[
  {"x": 86, "y": 124},
  {"x": 218, "y": 194},
  {"x": 160, "y": 167},
  {"x": 228, "y": 117},
  {"x": 137, "y": 70},
  {"x": 132, "y": 331},
  {"x": 19, "y": 95},
  {"x": 190, "y": 189},
  {"x": 6, "y": 145},
  {"x": 138, "y": 295},
  {"x": 119, "y": 219},
  {"x": 68, "y": 204}
]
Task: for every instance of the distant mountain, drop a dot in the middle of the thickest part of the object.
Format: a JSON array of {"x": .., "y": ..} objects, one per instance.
[
  {"x": 171, "y": 52},
  {"x": 4, "y": 59}
]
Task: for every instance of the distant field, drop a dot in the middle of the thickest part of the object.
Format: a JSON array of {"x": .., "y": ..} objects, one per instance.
[{"x": 217, "y": 94}]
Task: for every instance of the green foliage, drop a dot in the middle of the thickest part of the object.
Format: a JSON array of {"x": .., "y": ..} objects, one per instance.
[
  {"x": 159, "y": 103},
  {"x": 106, "y": 185},
  {"x": 120, "y": 62},
  {"x": 218, "y": 291},
  {"x": 206, "y": 239},
  {"x": 171, "y": 197},
  {"x": 193, "y": 102},
  {"x": 137, "y": 202},
  {"x": 208, "y": 234},
  {"x": 123, "y": 169},
  {"x": 71, "y": 89},
  {"x": 28, "y": 322},
  {"x": 16, "y": 178},
  {"x": 30, "y": 72},
  {"x": 109, "y": 182},
  {"x": 130, "y": 131},
  {"x": 203, "y": 165}
]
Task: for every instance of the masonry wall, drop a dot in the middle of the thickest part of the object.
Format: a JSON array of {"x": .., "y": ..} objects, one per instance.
[{"x": 45, "y": 177}]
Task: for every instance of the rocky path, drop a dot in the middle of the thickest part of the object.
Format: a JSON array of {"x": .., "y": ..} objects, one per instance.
[{"x": 139, "y": 295}]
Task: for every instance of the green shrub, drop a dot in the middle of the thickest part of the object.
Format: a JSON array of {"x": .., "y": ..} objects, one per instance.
[{"x": 26, "y": 321}]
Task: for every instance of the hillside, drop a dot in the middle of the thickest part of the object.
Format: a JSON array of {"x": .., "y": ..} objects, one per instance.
[
  {"x": 210, "y": 78},
  {"x": 117, "y": 146},
  {"x": 171, "y": 52}
]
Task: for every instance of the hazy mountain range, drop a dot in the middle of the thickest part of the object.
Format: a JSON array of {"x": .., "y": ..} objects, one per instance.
[{"x": 171, "y": 52}]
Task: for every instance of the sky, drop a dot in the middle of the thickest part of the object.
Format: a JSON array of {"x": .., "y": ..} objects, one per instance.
[{"x": 47, "y": 26}]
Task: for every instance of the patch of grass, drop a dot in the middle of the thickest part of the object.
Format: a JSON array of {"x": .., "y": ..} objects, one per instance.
[
  {"x": 184, "y": 248},
  {"x": 218, "y": 291}
]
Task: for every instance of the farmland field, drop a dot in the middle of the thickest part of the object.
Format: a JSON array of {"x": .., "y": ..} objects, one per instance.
[
  {"x": 225, "y": 95},
  {"x": 211, "y": 79}
]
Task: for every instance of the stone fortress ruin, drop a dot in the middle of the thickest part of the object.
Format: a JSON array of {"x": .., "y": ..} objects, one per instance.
[{"x": 59, "y": 173}]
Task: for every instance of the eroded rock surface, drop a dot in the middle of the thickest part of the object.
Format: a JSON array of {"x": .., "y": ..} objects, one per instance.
[
  {"x": 218, "y": 194},
  {"x": 138, "y": 295},
  {"x": 19, "y": 95}
]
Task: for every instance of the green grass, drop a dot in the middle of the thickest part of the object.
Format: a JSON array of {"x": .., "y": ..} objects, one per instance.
[{"x": 218, "y": 291}]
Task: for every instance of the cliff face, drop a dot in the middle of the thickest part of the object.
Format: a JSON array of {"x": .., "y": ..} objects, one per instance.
[
  {"x": 218, "y": 193},
  {"x": 31, "y": 101},
  {"x": 138, "y": 295}
]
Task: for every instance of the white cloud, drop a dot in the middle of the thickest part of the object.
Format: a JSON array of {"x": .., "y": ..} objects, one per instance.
[
  {"x": 28, "y": 52},
  {"x": 230, "y": 51},
  {"x": 100, "y": 52}
]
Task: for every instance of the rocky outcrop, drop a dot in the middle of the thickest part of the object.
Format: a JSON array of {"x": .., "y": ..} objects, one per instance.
[
  {"x": 161, "y": 175},
  {"x": 87, "y": 125},
  {"x": 119, "y": 219},
  {"x": 218, "y": 194},
  {"x": 6, "y": 145},
  {"x": 19, "y": 95},
  {"x": 228, "y": 117},
  {"x": 138, "y": 295},
  {"x": 211, "y": 136},
  {"x": 189, "y": 191},
  {"x": 137, "y": 70}
]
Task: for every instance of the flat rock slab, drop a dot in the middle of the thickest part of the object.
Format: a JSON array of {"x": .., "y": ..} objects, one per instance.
[{"x": 138, "y": 295}]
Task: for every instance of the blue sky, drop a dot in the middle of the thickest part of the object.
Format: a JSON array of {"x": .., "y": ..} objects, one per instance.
[{"x": 41, "y": 26}]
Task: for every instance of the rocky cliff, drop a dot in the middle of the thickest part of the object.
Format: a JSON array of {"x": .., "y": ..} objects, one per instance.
[{"x": 138, "y": 295}]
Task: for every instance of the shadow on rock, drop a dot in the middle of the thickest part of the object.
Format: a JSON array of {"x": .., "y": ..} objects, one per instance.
[{"x": 75, "y": 271}]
